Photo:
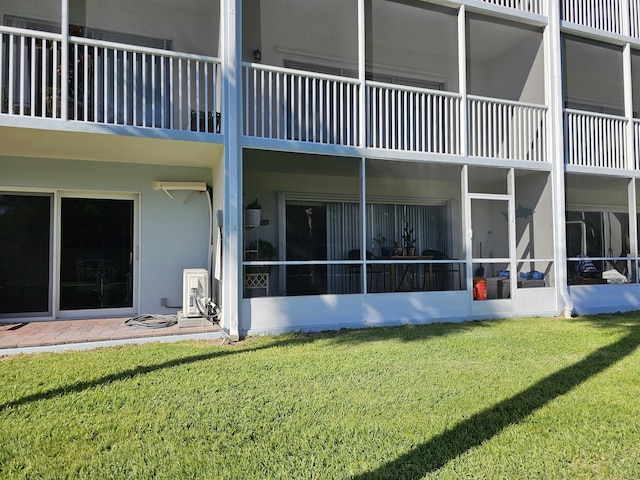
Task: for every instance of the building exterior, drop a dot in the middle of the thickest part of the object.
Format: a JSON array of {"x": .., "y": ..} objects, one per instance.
[{"x": 414, "y": 161}]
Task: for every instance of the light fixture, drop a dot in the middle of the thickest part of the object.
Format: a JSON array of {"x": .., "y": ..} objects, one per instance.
[{"x": 257, "y": 55}]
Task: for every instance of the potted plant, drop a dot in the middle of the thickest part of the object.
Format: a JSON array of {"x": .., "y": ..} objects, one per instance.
[
  {"x": 380, "y": 239},
  {"x": 253, "y": 214},
  {"x": 409, "y": 241}
]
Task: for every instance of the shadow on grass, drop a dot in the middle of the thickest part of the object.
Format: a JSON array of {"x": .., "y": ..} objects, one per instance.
[
  {"x": 404, "y": 333},
  {"x": 133, "y": 372},
  {"x": 437, "y": 452}
]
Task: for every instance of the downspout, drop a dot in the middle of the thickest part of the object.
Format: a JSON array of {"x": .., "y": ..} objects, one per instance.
[{"x": 555, "y": 95}]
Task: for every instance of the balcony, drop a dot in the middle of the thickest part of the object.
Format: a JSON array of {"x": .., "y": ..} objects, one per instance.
[
  {"x": 107, "y": 82},
  {"x": 606, "y": 15},
  {"x": 596, "y": 140},
  {"x": 530, "y": 6},
  {"x": 286, "y": 104}
]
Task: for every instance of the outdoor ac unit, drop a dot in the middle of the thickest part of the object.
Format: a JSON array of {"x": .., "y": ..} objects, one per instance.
[{"x": 195, "y": 288}]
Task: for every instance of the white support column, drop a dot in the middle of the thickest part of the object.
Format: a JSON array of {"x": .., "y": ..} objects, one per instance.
[
  {"x": 633, "y": 226},
  {"x": 630, "y": 161},
  {"x": 363, "y": 222},
  {"x": 555, "y": 100},
  {"x": 466, "y": 229},
  {"x": 364, "y": 107},
  {"x": 231, "y": 22},
  {"x": 64, "y": 60},
  {"x": 511, "y": 218},
  {"x": 462, "y": 79},
  {"x": 625, "y": 14}
]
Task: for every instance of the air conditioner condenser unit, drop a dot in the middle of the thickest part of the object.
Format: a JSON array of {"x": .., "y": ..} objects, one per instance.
[{"x": 195, "y": 297}]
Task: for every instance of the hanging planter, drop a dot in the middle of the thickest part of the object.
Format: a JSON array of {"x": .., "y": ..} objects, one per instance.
[{"x": 253, "y": 214}]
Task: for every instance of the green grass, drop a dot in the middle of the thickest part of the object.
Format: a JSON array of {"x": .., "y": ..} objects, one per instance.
[{"x": 528, "y": 398}]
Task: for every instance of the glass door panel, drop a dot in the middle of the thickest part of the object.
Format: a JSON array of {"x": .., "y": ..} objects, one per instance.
[
  {"x": 25, "y": 254},
  {"x": 96, "y": 264}
]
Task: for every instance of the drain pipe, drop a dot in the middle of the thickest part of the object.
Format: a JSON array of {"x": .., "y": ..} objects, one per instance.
[{"x": 555, "y": 85}]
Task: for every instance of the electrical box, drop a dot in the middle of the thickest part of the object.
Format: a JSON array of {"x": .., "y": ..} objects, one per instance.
[{"x": 195, "y": 287}]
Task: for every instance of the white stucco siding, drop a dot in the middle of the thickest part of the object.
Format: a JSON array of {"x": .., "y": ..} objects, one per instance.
[{"x": 172, "y": 236}]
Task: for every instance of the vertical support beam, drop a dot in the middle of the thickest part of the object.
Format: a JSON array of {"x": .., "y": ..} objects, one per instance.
[
  {"x": 625, "y": 14},
  {"x": 467, "y": 233},
  {"x": 363, "y": 222},
  {"x": 462, "y": 80},
  {"x": 555, "y": 100},
  {"x": 363, "y": 120},
  {"x": 64, "y": 61},
  {"x": 511, "y": 217},
  {"x": 231, "y": 20},
  {"x": 630, "y": 161},
  {"x": 633, "y": 227},
  {"x": 362, "y": 100}
]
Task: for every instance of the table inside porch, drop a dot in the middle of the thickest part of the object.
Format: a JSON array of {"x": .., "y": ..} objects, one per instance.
[{"x": 409, "y": 270}]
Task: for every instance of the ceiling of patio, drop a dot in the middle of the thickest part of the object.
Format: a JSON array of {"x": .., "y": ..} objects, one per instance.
[{"x": 76, "y": 145}]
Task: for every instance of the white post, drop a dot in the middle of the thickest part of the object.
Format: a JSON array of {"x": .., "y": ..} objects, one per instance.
[
  {"x": 462, "y": 80},
  {"x": 232, "y": 126},
  {"x": 64, "y": 61},
  {"x": 363, "y": 222},
  {"x": 556, "y": 148},
  {"x": 633, "y": 228},
  {"x": 629, "y": 153},
  {"x": 363, "y": 107}
]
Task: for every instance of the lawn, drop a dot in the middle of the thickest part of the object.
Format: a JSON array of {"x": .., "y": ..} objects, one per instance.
[{"x": 520, "y": 398}]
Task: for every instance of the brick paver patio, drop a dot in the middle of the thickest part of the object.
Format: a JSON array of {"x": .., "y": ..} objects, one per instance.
[{"x": 66, "y": 332}]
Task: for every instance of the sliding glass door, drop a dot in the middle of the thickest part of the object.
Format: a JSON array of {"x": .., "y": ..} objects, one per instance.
[
  {"x": 25, "y": 254},
  {"x": 96, "y": 262},
  {"x": 94, "y": 268}
]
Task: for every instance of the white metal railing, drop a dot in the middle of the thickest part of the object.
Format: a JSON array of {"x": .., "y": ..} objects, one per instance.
[
  {"x": 29, "y": 67},
  {"x": 291, "y": 104},
  {"x": 595, "y": 140},
  {"x": 531, "y": 6},
  {"x": 636, "y": 144},
  {"x": 634, "y": 20},
  {"x": 128, "y": 85},
  {"x": 507, "y": 130},
  {"x": 413, "y": 119},
  {"x": 107, "y": 82},
  {"x": 600, "y": 14}
]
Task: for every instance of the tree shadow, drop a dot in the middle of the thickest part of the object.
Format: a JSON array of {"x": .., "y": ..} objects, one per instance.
[
  {"x": 404, "y": 333},
  {"x": 139, "y": 370},
  {"x": 437, "y": 452}
]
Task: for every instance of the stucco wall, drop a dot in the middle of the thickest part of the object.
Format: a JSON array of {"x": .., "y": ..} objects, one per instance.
[{"x": 173, "y": 236}]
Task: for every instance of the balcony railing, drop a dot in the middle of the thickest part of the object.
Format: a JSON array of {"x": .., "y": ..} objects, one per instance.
[
  {"x": 636, "y": 144},
  {"x": 507, "y": 130},
  {"x": 531, "y": 6},
  {"x": 29, "y": 66},
  {"x": 284, "y": 104},
  {"x": 595, "y": 140},
  {"x": 107, "y": 82},
  {"x": 412, "y": 119},
  {"x": 600, "y": 14},
  {"x": 634, "y": 21},
  {"x": 289, "y": 104}
]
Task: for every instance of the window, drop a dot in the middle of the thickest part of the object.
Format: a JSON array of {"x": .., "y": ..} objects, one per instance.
[{"x": 598, "y": 247}]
